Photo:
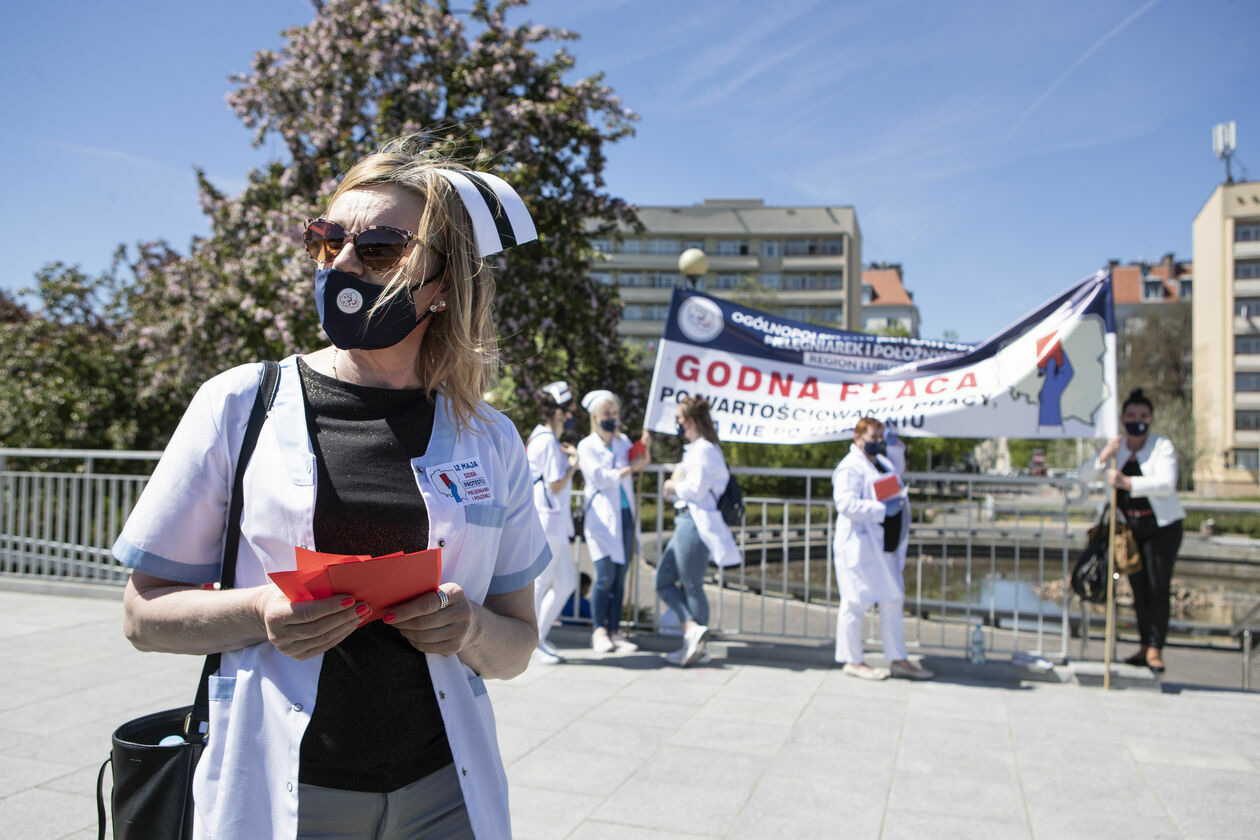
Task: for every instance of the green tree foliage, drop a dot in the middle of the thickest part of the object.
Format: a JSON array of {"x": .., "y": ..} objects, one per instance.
[{"x": 360, "y": 73}]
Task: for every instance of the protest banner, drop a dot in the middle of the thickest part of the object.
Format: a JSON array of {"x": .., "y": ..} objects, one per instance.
[{"x": 773, "y": 380}]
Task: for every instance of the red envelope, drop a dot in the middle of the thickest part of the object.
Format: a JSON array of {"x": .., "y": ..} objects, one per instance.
[
  {"x": 887, "y": 487},
  {"x": 384, "y": 581},
  {"x": 380, "y": 582}
]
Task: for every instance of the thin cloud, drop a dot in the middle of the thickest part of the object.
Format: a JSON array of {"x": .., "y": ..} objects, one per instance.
[{"x": 1124, "y": 24}]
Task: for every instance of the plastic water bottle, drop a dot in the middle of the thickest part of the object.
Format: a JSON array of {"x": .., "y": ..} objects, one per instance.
[{"x": 977, "y": 645}]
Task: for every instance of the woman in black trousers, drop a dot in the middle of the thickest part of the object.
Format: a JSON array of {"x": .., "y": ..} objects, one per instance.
[{"x": 1146, "y": 495}]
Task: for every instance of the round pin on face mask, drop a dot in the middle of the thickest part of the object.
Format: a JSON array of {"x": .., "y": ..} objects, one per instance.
[{"x": 344, "y": 301}]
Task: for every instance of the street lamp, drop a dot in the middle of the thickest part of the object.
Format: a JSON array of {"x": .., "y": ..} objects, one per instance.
[{"x": 693, "y": 264}]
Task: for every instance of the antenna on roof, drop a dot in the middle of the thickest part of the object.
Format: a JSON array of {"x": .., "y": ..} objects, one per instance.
[{"x": 1224, "y": 141}]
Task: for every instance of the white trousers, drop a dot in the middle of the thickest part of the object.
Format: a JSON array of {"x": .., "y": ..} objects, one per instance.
[
  {"x": 849, "y": 630},
  {"x": 553, "y": 587}
]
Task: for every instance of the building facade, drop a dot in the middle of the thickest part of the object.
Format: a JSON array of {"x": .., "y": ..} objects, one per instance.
[
  {"x": 798, "y": 262},
  {"x": 1226, "y": 317},
  {"x": 886, "y": 305}
]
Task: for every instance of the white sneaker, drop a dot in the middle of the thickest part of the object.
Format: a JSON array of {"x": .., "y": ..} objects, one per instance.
[
  {"x": 865, "y": 672},
  {"x": 620, "y": 642},
  {"x": 542, "y": 657},
  {"x": 548, "y": 648},
  {"x": 910, "y": 671},
  {"x": 693, "y": 643},
  {"x": 600, "y": 643}
]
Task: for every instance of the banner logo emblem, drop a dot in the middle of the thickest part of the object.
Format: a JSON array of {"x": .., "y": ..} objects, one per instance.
[{"x": 700, "y": 319}]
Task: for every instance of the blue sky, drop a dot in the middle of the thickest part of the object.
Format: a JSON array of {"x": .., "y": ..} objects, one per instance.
[{"x": 999, "y": 151}]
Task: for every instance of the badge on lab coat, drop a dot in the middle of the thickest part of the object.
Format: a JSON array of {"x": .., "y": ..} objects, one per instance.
[{"x": 463, "y": 482}]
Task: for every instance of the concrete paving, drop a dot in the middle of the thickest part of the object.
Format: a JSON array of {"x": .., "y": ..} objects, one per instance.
[{"x": 766, "y": 742}]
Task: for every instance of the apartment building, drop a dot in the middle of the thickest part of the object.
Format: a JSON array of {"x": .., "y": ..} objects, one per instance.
[
  {"x": 886, "y": 305},
  {"x": 1226, "y": 317},
  {"x": 799, "y": 262}
]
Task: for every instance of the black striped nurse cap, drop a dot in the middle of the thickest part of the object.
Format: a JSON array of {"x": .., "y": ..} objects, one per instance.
[{"x": 499, "y": 217}]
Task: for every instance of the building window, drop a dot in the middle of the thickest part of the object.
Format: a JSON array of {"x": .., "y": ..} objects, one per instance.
[
  {"x": 1247, "y": 269},
  {"x": 630, "y": 278},
  {"x": 602, "y": 246},
  {"x": 834, "y": 246},
  {"x": 662, "y": 279},
  {"x": 1247, "y": 420},
  {"x": 693, "y": 243},
  {"x": 732, "y": 247},
  {"x": 1246, "y": 381},
  {"x": 800, "y": 247},
  {"x": 833, "y": 281},
  {"x": 1247, "y": 231},
  {"x": 868, "y": 293},
  {"x": 663, "y": 246},
  {"x": 603, "y": 278},
  {"x": 632, "y": 246},
  {"x": 1246, "y": 345},
  {"x": 832, "y": 314},
  {"x": 725, "y": 281},
  {"x": 1247, "y": 307},
  {"x": 1152, "y": 290},
  {"x": 1187, "y": 288},
  {"x": 771, "y": 248},
  {"x": 798, "y": 313},
  {"x": 1247, "y": 459},
  {"x": 770, "y": 281}
]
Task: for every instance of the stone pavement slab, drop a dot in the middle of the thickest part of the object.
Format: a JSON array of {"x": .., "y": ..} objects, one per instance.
[{"x": 755, "y": 745}]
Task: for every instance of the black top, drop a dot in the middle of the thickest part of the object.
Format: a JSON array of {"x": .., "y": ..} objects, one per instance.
[
  {"x": 892, "y": 524},
  {"x": 1132, "y": 505},
  {"x": 376, "y": 725}
]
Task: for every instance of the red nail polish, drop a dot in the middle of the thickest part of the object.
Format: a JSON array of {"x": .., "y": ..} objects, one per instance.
[
  {"x": 390, "y": 618},
  {"x": 362, "y": 610},
  {"x": 347, "y": 601}
]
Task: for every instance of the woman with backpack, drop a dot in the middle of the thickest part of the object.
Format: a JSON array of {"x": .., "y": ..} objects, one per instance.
[{"x": 699, "y": 531}]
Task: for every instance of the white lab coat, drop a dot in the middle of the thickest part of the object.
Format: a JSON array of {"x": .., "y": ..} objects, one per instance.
[
  {"x": 548, "y": 463},
  {"x": 602, "y": 520},
  {"x": 1158, "y": 481},
  {"x": 703, "y": 477},
  {"x": 865, "y": 572},
  {"x": 246, "y": 784}
]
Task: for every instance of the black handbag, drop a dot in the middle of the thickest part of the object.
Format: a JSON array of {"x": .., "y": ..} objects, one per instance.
[
  {"x": 152, "y": 797},
  {"x": 1089, "y": 576}
]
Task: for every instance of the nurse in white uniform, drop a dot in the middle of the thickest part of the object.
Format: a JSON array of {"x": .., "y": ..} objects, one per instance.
[
  {"x": 551, "y": 467},
  {"x": 699, "y": 532},
  {"x": 324, "y": 722},
  {"x": 608, "y": 520},
  {"x": 870, "y": 553}
]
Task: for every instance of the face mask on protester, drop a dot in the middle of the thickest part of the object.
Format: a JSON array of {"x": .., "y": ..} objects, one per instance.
[
  {"x": 1136, "y": 428},
  {"x": 344, "y": 302},
  {"x": 609, "y": 425},
  {"x": 682, "y": 431},
  {"x": 570, "y": 423},
  {"x": 874, "y": 447}
]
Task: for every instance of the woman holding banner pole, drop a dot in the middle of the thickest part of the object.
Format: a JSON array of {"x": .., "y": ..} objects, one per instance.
[
  {"x": 1145, "y": 488},
  {"x": 872, "y": 529}
]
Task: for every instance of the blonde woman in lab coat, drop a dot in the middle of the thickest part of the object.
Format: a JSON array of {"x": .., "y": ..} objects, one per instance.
[
  {"x": 608, "y": 520},
  {"x": 870, "y": 553}
]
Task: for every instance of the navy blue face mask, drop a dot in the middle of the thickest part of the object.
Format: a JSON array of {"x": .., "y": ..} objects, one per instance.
[
  {"x": 609, "y": 425},
  {"x": 1136, "y": 428},
  {"x": 344, "y": 302},
  {"x": 682, "y": 432},
  {"x": 874, "y": 447},
  {"x": 570, "y": 423}
]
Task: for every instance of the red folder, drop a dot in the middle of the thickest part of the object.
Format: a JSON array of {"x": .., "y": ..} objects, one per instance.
[
  {"x": 636, "y": 450},
  {"x": 380, "y": 582},
  {"x": 887, "y": 487}
]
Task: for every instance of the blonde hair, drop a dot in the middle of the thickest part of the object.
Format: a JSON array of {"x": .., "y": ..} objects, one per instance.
[
  {"x": 611, "y": 398},
  {"x": 460, "y": 351}
]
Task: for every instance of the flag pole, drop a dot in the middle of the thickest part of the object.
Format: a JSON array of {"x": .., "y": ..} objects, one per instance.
[{"x": 1110, "y": 635}]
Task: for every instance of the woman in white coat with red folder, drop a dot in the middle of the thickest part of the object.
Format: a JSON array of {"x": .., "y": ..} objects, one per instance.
[{"x": 872, "y": 529}]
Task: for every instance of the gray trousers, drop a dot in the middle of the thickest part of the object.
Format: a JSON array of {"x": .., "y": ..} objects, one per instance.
[{"x": 431, "y": 808}]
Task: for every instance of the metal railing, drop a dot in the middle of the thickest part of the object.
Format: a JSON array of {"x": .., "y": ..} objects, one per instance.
[{"x": 980, "y": 547}]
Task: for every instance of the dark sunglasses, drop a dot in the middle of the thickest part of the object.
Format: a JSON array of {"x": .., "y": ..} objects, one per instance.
[{"x": 378, "y": 247}]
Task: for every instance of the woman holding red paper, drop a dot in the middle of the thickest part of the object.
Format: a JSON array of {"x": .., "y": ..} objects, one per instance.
[
  {"x": 872, "y": 529},
  {"x": 607, "y": 460},
  {"x": 323, "y": 721}
]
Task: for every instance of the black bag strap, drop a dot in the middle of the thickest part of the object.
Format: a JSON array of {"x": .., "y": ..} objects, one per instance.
[{"x": 263, "y": 400}]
